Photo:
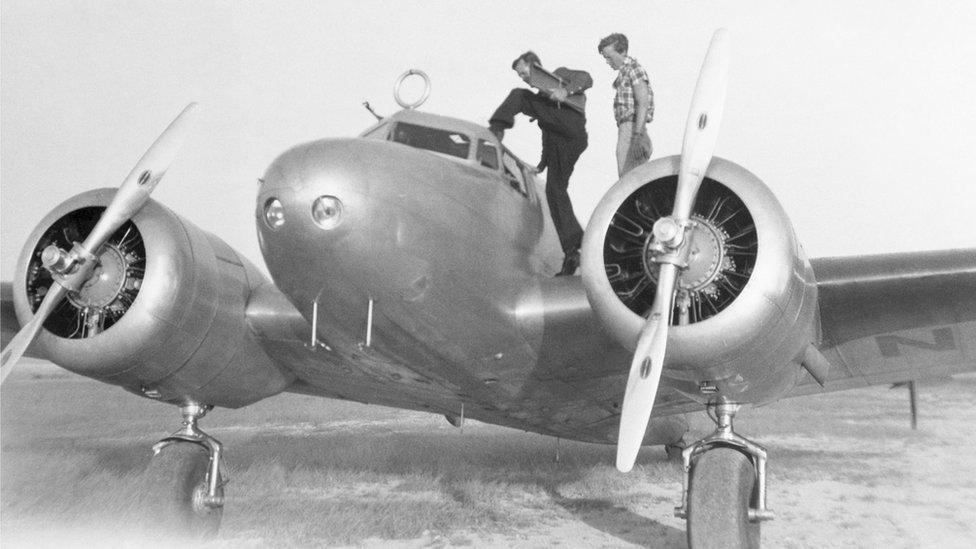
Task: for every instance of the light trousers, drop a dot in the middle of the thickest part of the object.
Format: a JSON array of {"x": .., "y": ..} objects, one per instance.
[{"x": 624, "y": 135}]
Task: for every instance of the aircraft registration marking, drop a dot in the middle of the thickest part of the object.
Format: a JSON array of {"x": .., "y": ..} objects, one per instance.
[{"x": 890, "y": 345}]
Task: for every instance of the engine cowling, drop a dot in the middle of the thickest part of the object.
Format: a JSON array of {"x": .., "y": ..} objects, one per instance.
[
  {"x": 746, "y": 303},
  {"x": 164, "y": 315}
]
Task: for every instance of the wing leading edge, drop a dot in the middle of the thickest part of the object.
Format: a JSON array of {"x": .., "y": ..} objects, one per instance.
[{"x": 895, "y": 317}]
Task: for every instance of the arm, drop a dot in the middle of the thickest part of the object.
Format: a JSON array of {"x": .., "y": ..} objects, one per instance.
[
  {"x": 570, "y": 83},
  {"x": 638, "y": 153},
  {"x": 544, "y": 161},
  {"x": 642, "y": 98}
]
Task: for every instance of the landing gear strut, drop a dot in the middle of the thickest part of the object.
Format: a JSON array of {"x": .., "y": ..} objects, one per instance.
[
  {"x": 724, "y": 488},
  {"x": 186, "y": 467}
]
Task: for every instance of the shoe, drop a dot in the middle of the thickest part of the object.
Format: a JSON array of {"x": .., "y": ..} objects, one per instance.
[
  {"x": 499, "y": 132},
  {"x": 570, "y": 263}
]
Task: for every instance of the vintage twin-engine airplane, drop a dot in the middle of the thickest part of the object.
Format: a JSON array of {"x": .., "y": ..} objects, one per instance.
[{"x": 412, "y": 267}]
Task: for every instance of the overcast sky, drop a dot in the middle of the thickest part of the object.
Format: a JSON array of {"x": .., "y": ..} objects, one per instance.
[{"x": 861, "y": 116}]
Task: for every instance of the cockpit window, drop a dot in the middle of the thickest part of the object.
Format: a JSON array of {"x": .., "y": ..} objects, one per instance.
[
  {"x": 432, "y": 139},
  {"x": 487, "y": 154},
  {"x": 513, "y": 173}
]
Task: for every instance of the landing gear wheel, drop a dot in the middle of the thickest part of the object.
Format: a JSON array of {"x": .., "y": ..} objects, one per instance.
[
  {"x": 723, "y": 486},
  {"x": 176, "y": 487}
]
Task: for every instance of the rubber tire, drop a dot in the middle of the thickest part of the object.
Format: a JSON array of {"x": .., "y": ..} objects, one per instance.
[
  {"x": 723, "y": 485},
  {"x": 175, "y": 480}
]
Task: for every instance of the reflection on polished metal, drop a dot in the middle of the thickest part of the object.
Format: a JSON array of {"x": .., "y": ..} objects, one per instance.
[
  {"x": 192, "y": 412},
  {"x": 724, "y": 435}
]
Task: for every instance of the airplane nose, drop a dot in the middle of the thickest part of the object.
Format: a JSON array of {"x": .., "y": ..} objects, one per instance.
[
  {"x": 324, "y": 188},
  {"x": 339, "y": 209},
  {"x": 315, "y": 193}
]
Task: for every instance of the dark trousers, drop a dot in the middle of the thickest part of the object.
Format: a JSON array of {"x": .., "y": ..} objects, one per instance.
[{"x": 563, "y": 141}]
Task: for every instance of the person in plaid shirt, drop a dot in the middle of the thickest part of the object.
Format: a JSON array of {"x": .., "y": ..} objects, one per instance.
[{"x": 633, "y": 103}]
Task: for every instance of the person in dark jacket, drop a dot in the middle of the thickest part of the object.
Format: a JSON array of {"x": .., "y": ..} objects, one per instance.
[{"x": 559, "y": 109}]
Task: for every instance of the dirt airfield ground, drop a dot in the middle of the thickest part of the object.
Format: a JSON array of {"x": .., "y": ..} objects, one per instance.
[{"x": 846, "y": 470}]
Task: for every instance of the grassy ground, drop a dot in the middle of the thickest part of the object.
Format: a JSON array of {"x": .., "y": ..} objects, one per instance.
[{"x": 846, "y": 470}]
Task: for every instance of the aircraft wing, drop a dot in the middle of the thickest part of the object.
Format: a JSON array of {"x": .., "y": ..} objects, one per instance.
[{"x": 895, "y": 317}]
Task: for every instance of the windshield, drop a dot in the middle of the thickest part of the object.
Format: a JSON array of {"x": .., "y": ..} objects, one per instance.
[{"x": 432, "y": 139}]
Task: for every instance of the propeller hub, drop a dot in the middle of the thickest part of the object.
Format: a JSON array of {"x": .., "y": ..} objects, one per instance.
[
  {"x": 706, "y": 258},
  {"x": 700, "y": 258},
  {"x": 55, "y": 259},
  {"x": 98, "y": 289},
  {"x": 714, "y": 261},
  {"x": 106, "y": 282},
  {"x": 668, "y": 232}
]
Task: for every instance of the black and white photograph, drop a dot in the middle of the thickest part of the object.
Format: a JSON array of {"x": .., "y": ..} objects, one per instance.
[{"x": 432, "y": 274}]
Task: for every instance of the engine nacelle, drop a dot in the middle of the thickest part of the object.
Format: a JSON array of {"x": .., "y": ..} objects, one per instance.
[
  {"x": 164, "y": 314},
  {"x": 746, "y": 303}
]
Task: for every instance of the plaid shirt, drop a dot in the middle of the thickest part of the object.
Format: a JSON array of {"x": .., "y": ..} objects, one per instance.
[{"x": 624, "y": 105}]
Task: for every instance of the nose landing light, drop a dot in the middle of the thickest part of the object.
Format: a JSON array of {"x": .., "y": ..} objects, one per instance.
[
  {"x": 327, "y": 212},
  {"x": 274, "y": 214}
]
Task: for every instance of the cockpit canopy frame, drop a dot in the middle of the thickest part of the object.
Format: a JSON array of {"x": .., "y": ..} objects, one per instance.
[{"x": 455, "y": 139}]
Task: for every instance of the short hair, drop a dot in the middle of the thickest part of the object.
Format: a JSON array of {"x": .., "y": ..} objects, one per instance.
[
  {"x": 617, "y": 40},
  {"x": 529, "y": 57}
]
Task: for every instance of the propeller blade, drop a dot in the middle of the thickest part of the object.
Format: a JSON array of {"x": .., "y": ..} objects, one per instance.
[
  {"x": 645, "y": 371},
  {"x": 701, "y": 132},
  {"x": 19, "y": 344},
  {"x": 704, "y": 118},
  {"x": 139, "y": 184}
]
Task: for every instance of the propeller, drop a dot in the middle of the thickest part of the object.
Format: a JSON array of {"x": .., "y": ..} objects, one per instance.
[
  {"x": 670, "y": 248},
  {"x": 72, "y": 269}
]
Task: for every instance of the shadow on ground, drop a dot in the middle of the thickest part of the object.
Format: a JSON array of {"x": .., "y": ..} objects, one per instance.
[{"x": 622, "y": 523}]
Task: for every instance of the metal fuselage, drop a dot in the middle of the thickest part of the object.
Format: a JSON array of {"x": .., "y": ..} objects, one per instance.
[{"x": 436, "y": 286}]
